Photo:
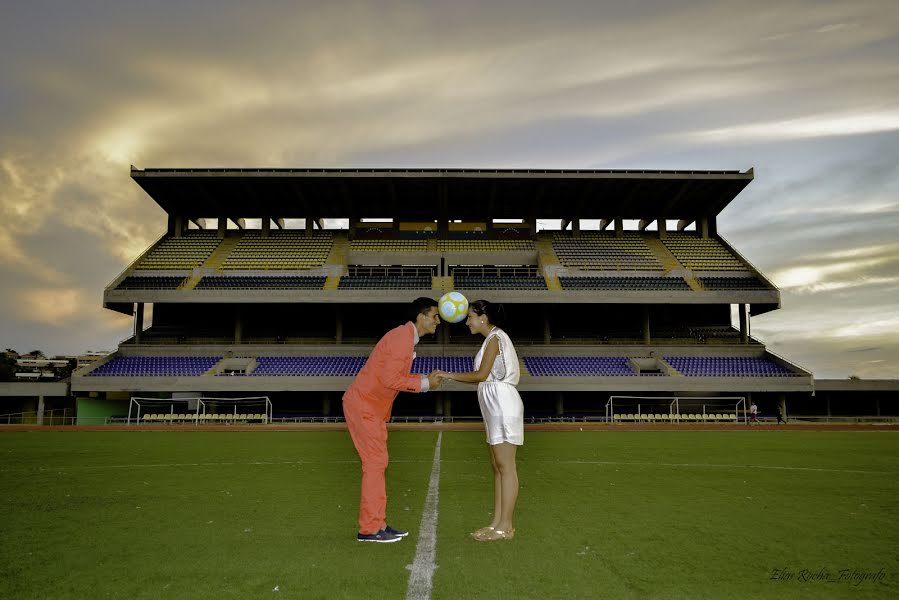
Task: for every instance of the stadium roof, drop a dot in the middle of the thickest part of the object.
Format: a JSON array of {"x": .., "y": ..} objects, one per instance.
[{"x": 428, "y": 194}]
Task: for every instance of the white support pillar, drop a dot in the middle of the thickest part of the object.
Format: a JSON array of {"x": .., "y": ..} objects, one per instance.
[{"x": 138, "y": 321}]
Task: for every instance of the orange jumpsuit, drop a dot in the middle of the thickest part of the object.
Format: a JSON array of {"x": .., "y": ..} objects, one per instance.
[{"x": 366, "y": 405}]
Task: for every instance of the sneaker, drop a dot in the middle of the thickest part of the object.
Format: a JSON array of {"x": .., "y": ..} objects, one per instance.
[
  {"x": 381, "y": 537},
  {"x": 396, "y": 532}
]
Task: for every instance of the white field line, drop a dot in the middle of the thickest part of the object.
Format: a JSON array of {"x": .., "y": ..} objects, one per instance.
[{"x": 422, "y": 568}]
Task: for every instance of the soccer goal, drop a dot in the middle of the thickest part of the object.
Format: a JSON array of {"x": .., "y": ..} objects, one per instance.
[
  {"x": 676, "y": 409},
  {"x": 199, "y": 410}
]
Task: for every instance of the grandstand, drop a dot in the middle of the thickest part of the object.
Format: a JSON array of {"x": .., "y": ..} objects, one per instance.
[{"x": 640, "y": 306}]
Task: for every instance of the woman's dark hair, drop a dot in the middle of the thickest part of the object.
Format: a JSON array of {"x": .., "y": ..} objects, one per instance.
[
  {"x": 496, "y": 313},
  {"x": 420, "y": 306}
]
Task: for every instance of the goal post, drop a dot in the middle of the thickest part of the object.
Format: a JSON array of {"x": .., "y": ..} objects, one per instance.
[
  {"x": 676, "y": 409},
  {"x": 199, "y": 410}
]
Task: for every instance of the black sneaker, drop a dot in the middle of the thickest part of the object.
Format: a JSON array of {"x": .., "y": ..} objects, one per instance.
[
  {"x": 396, "y": 532},
  {"x": 381, "y": 537}
]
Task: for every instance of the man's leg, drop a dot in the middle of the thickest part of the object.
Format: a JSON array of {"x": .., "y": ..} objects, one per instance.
[{"x": 370, "y": 438}]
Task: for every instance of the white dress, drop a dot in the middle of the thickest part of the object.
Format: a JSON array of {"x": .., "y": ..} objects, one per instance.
[{"x": 500, "y": 403}]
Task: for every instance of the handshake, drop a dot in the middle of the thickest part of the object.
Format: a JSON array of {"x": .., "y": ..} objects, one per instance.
[{"x": 436, "y": 377}]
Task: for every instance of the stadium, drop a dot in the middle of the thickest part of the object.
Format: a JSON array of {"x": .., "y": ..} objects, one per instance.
[
  {"x": 640, "y": 308},
  {"x": 211, "y": 460}
]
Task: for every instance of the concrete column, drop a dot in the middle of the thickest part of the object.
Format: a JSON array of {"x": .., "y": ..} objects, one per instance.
[
  {"x": 704, "y": 227},
  {"x": 447, "y": 405},
  {"x": 782, "y": 402},
  {"x": 238, "y": 328},
  {"x": 646, "y": 334},
  {"x": 222, "y": 227},
  {"x": 438, "y": 403},
  {"x": 138, "y": 321},
  {"x": 576, "y": 227},
  {"x": 40, "y": 410},
  {"x": 663, "y": 229},
  {"x": 326, "y": 405},
  {"x": 309, "y": 223},
  {"x": 338, "y": 327},
  {"x": 266, "y": 226},
  {"x": 619, "y": 226},
  {"x": 547, "y": 335},
  {"x": 560, "y": 404}
]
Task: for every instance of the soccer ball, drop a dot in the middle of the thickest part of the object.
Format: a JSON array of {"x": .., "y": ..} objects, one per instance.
[{"x": 453, "y": 307}]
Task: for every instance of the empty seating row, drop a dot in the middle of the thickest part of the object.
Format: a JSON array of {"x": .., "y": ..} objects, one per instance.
[
  {"x": 186, "y": 252},
  {"x": 308, "y": 366},
  {"x": 727, "y": 366},
  {"x": 262, "y": 282},
  {"x": 156, "y": 366},
  {"x": 145, "y": 282},
  {"x": 578, "y": 366},
  {"x": 204, "y": 418},
  {"x": 392, "y": 282},
  {"x": 280, "y": 250},
  {"x": 732, "y": 283},
  {"x": 702, "y": 254},
  {"x": 623, "y": 283},
  {"x": 605, "y": 251},
  {"x": 673, "y": 417},
  {"x": 477, "y": 282},
  {"x": 388, "y": 245},
  {"x": 485, "y": 245},
  {"x": 347, "y": 366}
]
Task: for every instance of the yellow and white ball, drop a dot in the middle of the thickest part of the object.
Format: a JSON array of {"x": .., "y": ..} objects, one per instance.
[{"x": 453, "y": 307}]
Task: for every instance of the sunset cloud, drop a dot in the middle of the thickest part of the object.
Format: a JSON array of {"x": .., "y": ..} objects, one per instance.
[{"x": 806, "y": 92}]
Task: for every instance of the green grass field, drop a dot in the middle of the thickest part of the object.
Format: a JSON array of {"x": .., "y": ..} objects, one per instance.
[{"x": 601, "y": 515}]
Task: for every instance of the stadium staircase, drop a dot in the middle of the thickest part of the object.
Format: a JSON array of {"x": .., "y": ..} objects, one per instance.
[
  {"x": 670, "y": 262},
  {"x": 340, "y": 247},
  {"x": 213, "y": 264},
  {"x": 546, "y": 257},
  {"x": 442, "y": 284}
]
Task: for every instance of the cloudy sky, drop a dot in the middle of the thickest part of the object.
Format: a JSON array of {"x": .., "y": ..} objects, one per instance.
[{"x": 806, "y": 92}]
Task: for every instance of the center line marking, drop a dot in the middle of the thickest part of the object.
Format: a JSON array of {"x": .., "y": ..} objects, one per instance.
[{"x": 424, "y": 565}]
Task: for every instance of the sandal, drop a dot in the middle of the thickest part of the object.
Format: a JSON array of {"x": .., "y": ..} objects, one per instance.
[
  {"x": 481, "y": 531},
  {"x": 493, "y": 535}
]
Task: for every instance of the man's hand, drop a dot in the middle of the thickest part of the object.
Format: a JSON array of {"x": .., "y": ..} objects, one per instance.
[{"x": 435, "y": 378}]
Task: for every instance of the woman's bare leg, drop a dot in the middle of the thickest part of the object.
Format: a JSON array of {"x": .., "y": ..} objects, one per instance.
[
  {"x": 504, "y": 461},
  {"x": 497, "y": 490}
]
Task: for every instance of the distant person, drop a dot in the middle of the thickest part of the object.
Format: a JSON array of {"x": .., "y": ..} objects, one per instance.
[
  {"x": 753, "y": 413},
  {"x": 367, "y": 404},
  {"x": 780, "y": 414},
  {"x": 497, "y": 373}
]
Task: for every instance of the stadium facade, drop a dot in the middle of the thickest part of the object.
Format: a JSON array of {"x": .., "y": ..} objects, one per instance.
[{"x": 640, "y": 307}]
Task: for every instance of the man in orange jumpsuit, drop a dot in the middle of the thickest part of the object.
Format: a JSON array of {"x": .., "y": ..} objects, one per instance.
[{"x": 367, "y": 404}]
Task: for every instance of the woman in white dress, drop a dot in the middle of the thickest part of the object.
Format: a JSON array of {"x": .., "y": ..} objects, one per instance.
[{"x": 496, "y": 373}]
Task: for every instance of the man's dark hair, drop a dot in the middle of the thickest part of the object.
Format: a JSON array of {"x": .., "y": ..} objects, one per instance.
[{"x": 420, "y": 306}]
